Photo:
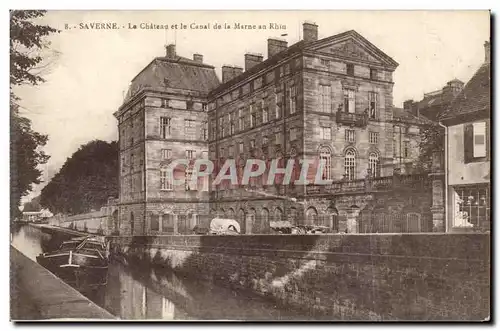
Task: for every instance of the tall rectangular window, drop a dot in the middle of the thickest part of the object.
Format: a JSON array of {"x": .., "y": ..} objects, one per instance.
[
  {"x": 373, "y": 74},
  {"x": 230, "y": 151},
  {"x": 241, "y": 123},
  {"x": 232, "y": 124},
  {"x": 293, "y": 99},
  {"x": 166, "y": 154},
  {"x": 350, "y": 69},
  {"x": 189, "y": 128},
  {"x": 293, "y": 134},
  {"x": 166, "y": 182},
  {"x": 190, "y": 154},
  {"x": 213, "y": 130},
  {"x": 265, "y": 115},
  {"x": 373, "y": 137},
  {"x": 278, "y": 100},
  {"x": 277, "y": 138},
  {"x": 240, "y": 148},
  {"x": 350, "y": 135},
  {"x": 204, "y": 131},
  {"x": 406, "y": 149},
  {"x": 325, "y": 100},
  {"x": 253, "y": 117},
  {"x": 188, "y": 180},
  {"x": 222, "y": 129},
  {"x": 349, "y": 101},
  {"x": 165, "y": 128},
  {"x": 373, "y": 104},
  {"x": 326, "y": 133}
]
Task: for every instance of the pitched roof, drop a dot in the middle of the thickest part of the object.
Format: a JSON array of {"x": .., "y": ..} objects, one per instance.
[
  {"x": 178, "y": 73},
  {"x": 403, "y": 115},
  {"x": 475, "y": 96}
]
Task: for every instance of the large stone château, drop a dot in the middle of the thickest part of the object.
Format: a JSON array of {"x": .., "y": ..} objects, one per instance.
[{"x": 328, "y": 99}]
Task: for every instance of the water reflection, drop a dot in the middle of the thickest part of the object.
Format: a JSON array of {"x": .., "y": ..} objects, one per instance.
[{"x": 139, "y": 292}]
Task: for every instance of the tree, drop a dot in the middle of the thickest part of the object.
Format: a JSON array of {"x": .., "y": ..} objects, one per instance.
[
  {"x": 33, "y": 205},
  {"x": 27, "y": 40},
  {"x": 431, "y": 141},
  {"x": 85, "y": 181}
]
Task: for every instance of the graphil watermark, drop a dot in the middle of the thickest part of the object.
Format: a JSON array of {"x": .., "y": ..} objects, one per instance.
[{"x": 241, "y": 173}]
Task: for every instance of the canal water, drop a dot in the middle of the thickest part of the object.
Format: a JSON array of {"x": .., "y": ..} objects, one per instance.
[{"x": 158, "y": 294}]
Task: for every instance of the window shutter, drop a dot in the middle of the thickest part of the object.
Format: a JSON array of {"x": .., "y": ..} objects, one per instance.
[
  {"x": 468, "y": 142},
  {"x": 479, "y": 129}
]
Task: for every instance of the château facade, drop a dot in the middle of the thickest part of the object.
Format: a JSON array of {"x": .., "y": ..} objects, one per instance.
[{"x": 323, "y": 99}]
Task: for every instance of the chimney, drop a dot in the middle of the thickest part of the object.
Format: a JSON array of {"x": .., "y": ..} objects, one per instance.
[
  {"x": 274, "y": 46},
  {"x": 227, "y": 74},
  {"x": 237, "y": 71},
  {"x": 171, "y": 51},
  {"x": 310, "y": 31},
  {"x": 487, "y": 52},
  {"x": 198, "y": 58},
  {"x": 407, "y": 105},
  {"x": 452, "y": 88},
  {"x": 252, "y": 60}
]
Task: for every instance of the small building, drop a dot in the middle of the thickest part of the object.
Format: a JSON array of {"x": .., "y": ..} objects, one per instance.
[
  {"x": 468, "y": 154},
  {"x": 32, "y": 216}
]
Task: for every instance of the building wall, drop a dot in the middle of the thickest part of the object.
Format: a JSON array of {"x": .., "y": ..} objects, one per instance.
[
  {"x": 459, "y": 172},
  {"x": 333, "y": 75}
]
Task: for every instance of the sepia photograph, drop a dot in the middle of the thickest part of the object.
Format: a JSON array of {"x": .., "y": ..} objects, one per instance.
[{"x": 270, "y": 165}]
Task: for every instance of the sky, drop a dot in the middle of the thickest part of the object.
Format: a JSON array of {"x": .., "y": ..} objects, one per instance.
[{"x": 88, "y": 78}]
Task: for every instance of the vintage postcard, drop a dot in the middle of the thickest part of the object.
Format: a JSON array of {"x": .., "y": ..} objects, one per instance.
[{"x": 250, "y": 166}]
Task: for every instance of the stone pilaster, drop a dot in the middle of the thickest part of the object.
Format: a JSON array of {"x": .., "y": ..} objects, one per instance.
[{"x": 438, "y": 204}]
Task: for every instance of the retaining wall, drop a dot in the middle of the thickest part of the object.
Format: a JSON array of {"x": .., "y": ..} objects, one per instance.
[{"x": 347, "y": 277}]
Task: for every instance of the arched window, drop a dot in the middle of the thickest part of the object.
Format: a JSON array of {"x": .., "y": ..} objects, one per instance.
[
  {"x": 350, "y": 164},
  {"x": 374, "y": 165},
  {"x": 325, "y": 158},
  {"x": 230, "y": 213},
  {"x": 312, "y": 216},
  {"x": 265, "y": 216},
  {"x": 278, "y": 215}
]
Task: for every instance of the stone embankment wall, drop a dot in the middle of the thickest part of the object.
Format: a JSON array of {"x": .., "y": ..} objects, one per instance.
[{"x": 347, "y": 277}]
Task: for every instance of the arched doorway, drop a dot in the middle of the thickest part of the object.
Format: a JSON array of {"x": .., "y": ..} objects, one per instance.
[
  {"x": 115, "y": 227},
  {"x": 332, "y": 219},
  {"x": 131, "y": 223},
  {"x": 352, "y": 219},
  {"x": 264, "y": 223},
  {"x": 241, "y": 219},
  {"x": 230, "y": 213},
  {"x": 250, "y": 221}
]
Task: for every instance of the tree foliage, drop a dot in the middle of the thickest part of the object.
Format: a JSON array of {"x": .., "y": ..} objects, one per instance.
[
  {"x": 27, "y": 39},
  {"x": 85, "y": 181},
  {"x": 33, "y": 205},
  {"x": 431, "y": 141}
]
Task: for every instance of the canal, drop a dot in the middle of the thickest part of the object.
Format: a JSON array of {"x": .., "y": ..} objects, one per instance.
[{"x": 145, "y": 293}]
